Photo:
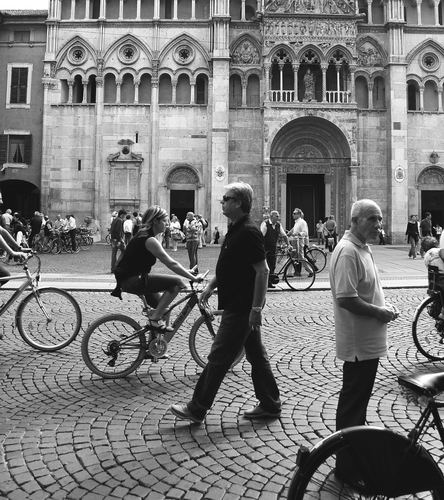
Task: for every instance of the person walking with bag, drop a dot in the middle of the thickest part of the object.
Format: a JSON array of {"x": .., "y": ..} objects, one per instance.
[
  {"x": 241, "y": 279},
  {"x": 117, "y": 238}
]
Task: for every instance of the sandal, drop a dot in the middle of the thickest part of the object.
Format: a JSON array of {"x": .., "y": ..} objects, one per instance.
[{"x": 159, "y": 325}]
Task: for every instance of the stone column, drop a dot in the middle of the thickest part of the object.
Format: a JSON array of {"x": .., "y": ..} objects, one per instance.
[
  {"x": 421, "y": 97},
  {"x": 281, "y": 80},
  {"x": 418, "y": 11},
  {"x": 138, "y": 10},
  {"x": 324, "y": 68},
  {"x": 243, "y": 10},
  {"x": 102, "y": 9},
  {"x": 436, "y": 9},
  {"x": 101, "y": 171},
  {"x": 439, "y": 98},
  {"x": 136, "y": 91},
  {"x": 47, "y": 151},
  {"x": 85, "y": 91},
  {"x": 266, "y": 181},
  {"x": 149, "y": 183},
  {"x": 118, "y": 91},
  {"x": 352, "y": 84},
  {"x": 120, "y": 9},
  {"x": 193, "y": 9},
  {"x": 267, "y": 82},
  {"x": 174, "y": 89},
  {"x": 369, "y": 12},
  {"x": 244, "y": 92},
  {"x": 156, "y": 14},
  {"x": 295, "y": 78},
  {"x": 193, "y": 92},
  {"x": 354, "y": 168},
  {"x": 70, "y": 86},
  {"x": 87, "y": 16},
  {"x": 370, "y": 94},
  {"x": 73, "y": 9},
  {"x": 175, "y": 10}
]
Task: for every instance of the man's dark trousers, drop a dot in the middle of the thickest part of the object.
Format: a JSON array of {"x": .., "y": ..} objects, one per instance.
[
  {"x": 357, "y": 386},
  {"x": 234, "y": 333}
]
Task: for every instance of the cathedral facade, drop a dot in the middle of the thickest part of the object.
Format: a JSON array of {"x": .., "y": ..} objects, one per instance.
[{"x": 315, "y": 103}]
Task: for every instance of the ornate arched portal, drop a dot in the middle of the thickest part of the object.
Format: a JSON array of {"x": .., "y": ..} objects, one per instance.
[
  {"x": 20, "y": 196},
  {"x": 183, "y": 184},
  {"x": 309, "y": 168},
  {"x": 431, "y": 188}
]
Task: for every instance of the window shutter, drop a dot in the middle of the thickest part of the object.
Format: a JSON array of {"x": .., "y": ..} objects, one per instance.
[
  {"x": 28, "y": 149},
  {"x": 3, "y": 149},
  {"x": 23, "y": 85},
  {"x": 14, "y": 85}
]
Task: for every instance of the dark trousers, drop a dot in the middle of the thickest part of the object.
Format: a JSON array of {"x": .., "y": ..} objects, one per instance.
[
  {"x": 192, "y": 246},
  {"x": 72, "y": 235},
  {"x": 357, "y": 385},
  {"x": 234, "y": 333},
  {"x": 270, "y": 255}
]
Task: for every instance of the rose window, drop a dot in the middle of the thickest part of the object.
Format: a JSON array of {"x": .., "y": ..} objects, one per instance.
[
  {"x": 184, "y": 54},
  {"x": 128, "y": 54},
  {"x": 430, "y": 61},
  {"x": 77, "y": 55}
]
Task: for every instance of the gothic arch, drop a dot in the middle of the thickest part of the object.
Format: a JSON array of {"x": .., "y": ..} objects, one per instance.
[
  {"x": 63, "y": 52},
  {"x": 432, "y": 175},
  {"x": 253, "y": 57},
  {"x": 348, "y": 55},
  {"x": 127, "y": 39},
  {"x": 367, "y": 39},
  {"x": 289, "y": 50},
  {"x": 314, "y": 49},
  {"x": 428, "y": 44},
  {"x": 187, "y": 39}
]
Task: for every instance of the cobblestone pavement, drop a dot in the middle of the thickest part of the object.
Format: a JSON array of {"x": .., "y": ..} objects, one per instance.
[{"x": 67, "y": 434}]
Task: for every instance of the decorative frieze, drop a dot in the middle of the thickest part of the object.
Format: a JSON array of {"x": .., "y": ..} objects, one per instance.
[
  {"x": 310, "y": 6},
  {"x": 301, "y": 31}
]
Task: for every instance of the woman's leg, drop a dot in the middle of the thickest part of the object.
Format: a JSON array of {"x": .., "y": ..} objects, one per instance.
[{"x": 169, "y": 285}]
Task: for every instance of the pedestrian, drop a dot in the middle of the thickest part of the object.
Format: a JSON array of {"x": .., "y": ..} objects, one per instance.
[
  {"x": 412, "y": 233},
  {"x": 216, "y": 236},
  {"x": 137, "y": 222},
  {"x": 203, "y": 234},
  {"x": 271, "y": 229},
  {"x": 127, "y": 229},
  {"x": 176, "y": 233},
  {"x": 361, "y": 316},
  {"x": 191, "y": 229},
  {"x": 6, "y": 220},
  {"x": 434, "y": 256},
  {"x": 382, "y": 236},
  {"x": 438, "y": 231},
  {"x": 425, "y": 229},
  {"x": 330, "y": 233},
  {"x": 117, "y": 237},
  {"x": 36, "y": 227},
  {"x": 298, "y": 237},
  {"x": 241, "y": 279},
  {"x": 72, "y": 229},
  {"x": 167, "y": 236},
  {"x": 320, "y": 232}
]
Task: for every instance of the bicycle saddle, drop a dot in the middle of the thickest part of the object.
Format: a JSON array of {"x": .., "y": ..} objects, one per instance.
[{"x": 423, "y": 384}]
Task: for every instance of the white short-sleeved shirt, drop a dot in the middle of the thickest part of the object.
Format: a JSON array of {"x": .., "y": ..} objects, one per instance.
[
  {"x": 432, "y": 258},
  {"x": 441, "y": 240},
  {"x": 353, "y": 273}
]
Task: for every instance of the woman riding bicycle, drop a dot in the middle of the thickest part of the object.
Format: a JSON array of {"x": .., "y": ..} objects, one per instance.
[{"x": 133, "y": 271}]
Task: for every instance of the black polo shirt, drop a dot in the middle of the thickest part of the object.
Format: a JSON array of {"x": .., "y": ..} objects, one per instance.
[{"x": 242, "y": 248}]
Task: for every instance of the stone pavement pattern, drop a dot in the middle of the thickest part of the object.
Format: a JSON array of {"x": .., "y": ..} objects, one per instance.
[{"x": 67, "y": 434}]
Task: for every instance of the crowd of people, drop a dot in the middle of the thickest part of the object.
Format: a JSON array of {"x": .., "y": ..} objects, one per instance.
[{"x": 417, "y": 231}]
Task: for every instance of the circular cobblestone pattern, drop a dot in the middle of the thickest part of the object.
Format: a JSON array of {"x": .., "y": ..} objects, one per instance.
[{"x": 67, "y": 434}]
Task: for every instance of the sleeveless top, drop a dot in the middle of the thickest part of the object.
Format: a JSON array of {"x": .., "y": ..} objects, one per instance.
[
  {"x": 272, "y": 235},
  {"x": 136, "y": 259}
]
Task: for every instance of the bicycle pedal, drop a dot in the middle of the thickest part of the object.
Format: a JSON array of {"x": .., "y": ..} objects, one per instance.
[{"x": 112, "y": 363}]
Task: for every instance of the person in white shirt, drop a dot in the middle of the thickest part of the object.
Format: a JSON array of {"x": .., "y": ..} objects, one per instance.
[
  {"x": 298, "y": 236},
  {"x": 128, "y": 228},
  {"x": 72, "y": 226}
]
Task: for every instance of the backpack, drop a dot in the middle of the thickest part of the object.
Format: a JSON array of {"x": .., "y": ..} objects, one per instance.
[
  {"x": 116, "y": 229},
  {"x": 204, "y": 223}
]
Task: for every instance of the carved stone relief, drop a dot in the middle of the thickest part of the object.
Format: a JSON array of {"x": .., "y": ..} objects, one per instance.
[
  {"x": 298, "y": 31},
  {"x": 310, "y": 6},
  {"x": 369, "y": 55},
  {"x": 182, "y": 175},
  {"x": 432, "y": 175},
  {"x": 245, "y": 53}
]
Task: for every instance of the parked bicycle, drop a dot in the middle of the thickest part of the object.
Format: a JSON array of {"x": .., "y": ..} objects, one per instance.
[
  {"x": 313, "y": 253},
  {"x": 115, "y": 345},
  {"x": 47, "y": 319},
  {"x": 427, "y": 326},
  {"x": 383, "y": 463},
  {"x": 299, "y": 274}
]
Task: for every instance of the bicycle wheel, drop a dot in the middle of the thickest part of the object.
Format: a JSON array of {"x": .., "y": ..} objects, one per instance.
[
  {"x": 299, "y": 274},
  {"x": 380, "y": 464},
  {"x": 201, "y": 339},
  {"x": 428, "y": 330},
  {"x": 56, "y": 247},
  {"x": 48, "y": 319},
  {"x": 318, "y": 258},
  {"x": 111, "y": 348}
]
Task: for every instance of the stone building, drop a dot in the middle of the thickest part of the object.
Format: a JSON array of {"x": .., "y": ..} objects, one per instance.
[
  {"x": 22, "y": 51},
  {"x": 314, "y": 102}
]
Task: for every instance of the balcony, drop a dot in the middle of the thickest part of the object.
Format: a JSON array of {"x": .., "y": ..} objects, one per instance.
[{"x": 331, "y": 96}]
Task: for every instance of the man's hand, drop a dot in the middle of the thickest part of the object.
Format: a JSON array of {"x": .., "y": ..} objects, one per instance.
[
  {"x": 255, "y": 319},
  {"x": 387, "y": 313},
  {"x": 21, "y": 256},
  {"x": 204, "y": 297}
]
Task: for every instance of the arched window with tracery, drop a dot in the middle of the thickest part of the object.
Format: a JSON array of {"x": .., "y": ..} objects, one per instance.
[
  {"x": 235, "y": 91},
  {"x": 430, "y": 96},
  {"x": 338, "y": 77},
  {"x": 91, "y": 89},
  {"x": 201, "y": 89},
  {"x": 361, "y": 90},
  {"x": 127, "y": 89},
  {"x": 379, "y": 93},
  {"x": 309, "y": 78},
  {"x": 145, "y": 89},
  {"x": 77, "y": 90},
  {"x": 165, "y": 89},
  {"x": 110, "y": 89},
  {"x": 412, "y": 95},
  {"x": 282, "y": 77},
  {"x": 183, "y": 90},
  {"x": 253, "y": 91}
]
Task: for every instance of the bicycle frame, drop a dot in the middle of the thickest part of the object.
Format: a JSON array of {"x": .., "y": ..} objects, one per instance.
[
  {"x": 431, "y": 409},
  {"x": 29, "y": 281}
]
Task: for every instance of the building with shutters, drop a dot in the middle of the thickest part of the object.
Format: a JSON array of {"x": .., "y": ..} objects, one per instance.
[{"x": 316, "y": 103}]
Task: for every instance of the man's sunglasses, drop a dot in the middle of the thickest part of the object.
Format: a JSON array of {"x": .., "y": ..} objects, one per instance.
[{"x": 227, "y": 198}]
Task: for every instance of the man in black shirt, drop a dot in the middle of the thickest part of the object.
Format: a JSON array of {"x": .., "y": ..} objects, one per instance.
[{"x": 241, "y": 280}]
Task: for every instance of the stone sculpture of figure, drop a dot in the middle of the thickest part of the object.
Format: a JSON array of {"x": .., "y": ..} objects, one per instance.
[{"x": 309, "y": 86}]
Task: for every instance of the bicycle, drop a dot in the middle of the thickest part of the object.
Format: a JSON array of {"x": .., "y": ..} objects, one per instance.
[
  {"x": 115, "y": 345},
  {"x": 427, "y": 326},
  {"x": 48, "y": 319},
  {"x": 383, "y": 463},
  {"x": 299, "y": 274}
]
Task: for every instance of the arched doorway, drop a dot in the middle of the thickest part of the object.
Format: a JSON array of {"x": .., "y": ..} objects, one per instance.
[
  {"x": 20, "y": 196},
  {"x": 182, "y": 183},
  {"x": 431, "y": 186},
  {"x": 309, "y": 160}
]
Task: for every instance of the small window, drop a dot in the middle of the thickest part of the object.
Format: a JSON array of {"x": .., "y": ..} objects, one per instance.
[
  {"x": 19, "y": 85},
  {"x": 22, "y": 36},
  {"x": 15, "y": 149}
]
